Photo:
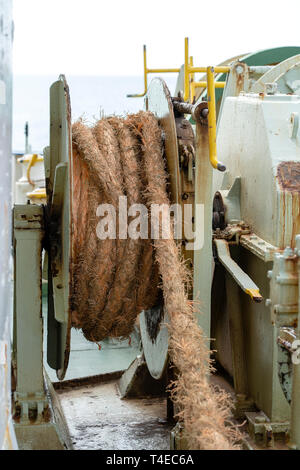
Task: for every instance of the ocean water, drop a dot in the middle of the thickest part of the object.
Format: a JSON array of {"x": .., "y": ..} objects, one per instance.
[{"x": 91, "y": 97}]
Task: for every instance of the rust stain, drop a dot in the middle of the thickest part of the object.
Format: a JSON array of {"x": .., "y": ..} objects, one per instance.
[
  {"x": 240, "y": 83},
  {"x": 288, "y": 176},
  {"x": 240, "y": 77}
]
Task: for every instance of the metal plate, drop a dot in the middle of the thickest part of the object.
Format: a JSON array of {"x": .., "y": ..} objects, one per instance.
[
  {"x": 154, "y": 333},
  {"x": 159, "y": 102},
  {"x": 279, "y": 73},
  {"x": 59, "y": 195},
  {"x": 155, "y": 339}
]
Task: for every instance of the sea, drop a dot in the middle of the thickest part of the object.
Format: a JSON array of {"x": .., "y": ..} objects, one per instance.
[{"x": 91, "y": 98}]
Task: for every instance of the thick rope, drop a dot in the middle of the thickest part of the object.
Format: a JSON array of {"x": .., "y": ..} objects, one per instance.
[{"x": 114, "y": 280}]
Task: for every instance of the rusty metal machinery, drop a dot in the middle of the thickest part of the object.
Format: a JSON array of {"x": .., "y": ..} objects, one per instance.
[
  {"x": 255, "y": 222},
  {"x": 39, "y": 422},
  {"x": 234, "y": 153}
]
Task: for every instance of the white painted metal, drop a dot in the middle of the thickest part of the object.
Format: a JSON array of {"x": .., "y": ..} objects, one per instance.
[
  {"x": 253, "y": 138},
  {"x": 28, "y": 234},
  {"x": 295, "y": 405},
  {"x": 257, "y": 132},
  {"x": 273, "y": 74},
  {"x": 155, "y": 350}
]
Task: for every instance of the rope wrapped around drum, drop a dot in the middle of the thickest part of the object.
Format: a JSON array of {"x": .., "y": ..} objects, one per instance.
[{"x": 115, "y": 279}]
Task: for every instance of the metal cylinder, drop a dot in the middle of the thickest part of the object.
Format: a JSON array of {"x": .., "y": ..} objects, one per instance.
[{"x": 197, "y": 111}]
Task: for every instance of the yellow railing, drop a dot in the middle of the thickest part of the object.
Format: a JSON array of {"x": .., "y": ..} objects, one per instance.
[
  {"x": 189, "y": 93},
  {"x": 146, "y": 73}
]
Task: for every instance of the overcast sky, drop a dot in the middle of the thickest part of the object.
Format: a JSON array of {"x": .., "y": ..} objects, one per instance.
[{"x": 96, "y": 37}]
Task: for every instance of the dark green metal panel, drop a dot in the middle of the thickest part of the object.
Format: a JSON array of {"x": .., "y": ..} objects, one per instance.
[
  {"x": 264, "y": 57},
  {"x": 271, "y": 56}
]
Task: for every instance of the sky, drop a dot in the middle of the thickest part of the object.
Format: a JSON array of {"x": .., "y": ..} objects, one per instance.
[{"x": 96, "y": 37}]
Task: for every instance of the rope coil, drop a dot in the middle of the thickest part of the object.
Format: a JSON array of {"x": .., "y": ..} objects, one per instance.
[{"x": 114, "y": 280}]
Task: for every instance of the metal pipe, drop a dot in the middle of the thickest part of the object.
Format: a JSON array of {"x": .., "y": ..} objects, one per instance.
[
  {"x": 191, "y": 65},
  {"x": 147, "y": 71},
  {"x": 163, "y": 70},
  {"x": 145, "y": 77},
  {"x": 212, "y": 120},
  {"x": 204, "y": 84},
  {"x": 260, "y": 69},
  {"x": 189, "y": 69},
  {"x": 186, "y": 70},
  {"x": 197, "y": 111},
  {"x": 217, "y": 69}
]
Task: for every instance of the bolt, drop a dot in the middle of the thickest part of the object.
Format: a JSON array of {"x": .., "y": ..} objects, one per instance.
[
  {"x": 288, "y": 252},
  {"x": 239, "y": 69},
  {"x": 271, "y": 88}
]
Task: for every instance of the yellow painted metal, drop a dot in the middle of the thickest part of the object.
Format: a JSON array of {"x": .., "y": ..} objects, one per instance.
[
  {"x": 189, "y": 93},
  {"x": 254, "y": 294},
  {"x": 146, "y": 73},
  {"x": 189, "y": 69},
  {"x": 192, "y": 81},
  {"x": 202, "y": 84},
  {"x": 203, "y": 69},
  {"x": 212, "y": 127},
  {"x": 189, "y": 74},
  {"x": 145, "y": 70},
  {"x": 39, "y": 193},
  {"x": 28, "y": 157},
  {"x": 163, "y": 71},
  {"x": 32, "y": 162},
  {"x": 186, "y": 92},
  {"x": 192, "y": 65}
]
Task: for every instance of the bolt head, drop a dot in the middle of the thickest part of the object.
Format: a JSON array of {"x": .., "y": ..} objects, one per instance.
[{"x": 269, "y": 274}]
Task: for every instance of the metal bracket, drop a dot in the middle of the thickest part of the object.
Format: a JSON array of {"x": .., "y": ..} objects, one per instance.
[
  {"x": 263, "y": 431},
  {"x": 242, "y": 279},
  {"x": 30, "y": 401}
]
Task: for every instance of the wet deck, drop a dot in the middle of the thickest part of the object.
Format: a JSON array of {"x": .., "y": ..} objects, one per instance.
[{"x": 99, "y": 420}]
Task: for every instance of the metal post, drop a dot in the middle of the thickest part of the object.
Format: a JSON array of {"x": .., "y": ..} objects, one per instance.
[
  {"x": 295, "y": 404},
  {"x": 30, "y": 399},
  {"x": 203, "y": 259},
  {"x": 39, "y": 420},
  {"x": 186, "y": 70}
]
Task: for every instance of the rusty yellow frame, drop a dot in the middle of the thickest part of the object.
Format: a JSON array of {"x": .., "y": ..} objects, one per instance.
[
  {"x": 189, "y": 93},
  {"x": 146, "y": 73}
]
